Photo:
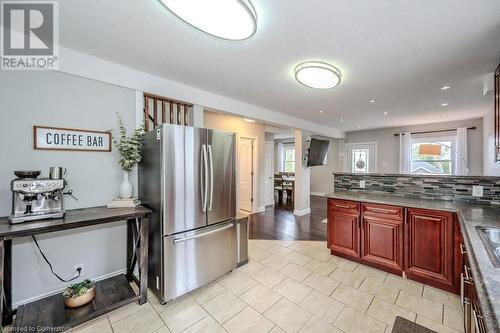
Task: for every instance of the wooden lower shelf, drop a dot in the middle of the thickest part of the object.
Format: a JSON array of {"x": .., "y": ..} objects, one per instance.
[{"x": 50, "y": 314}]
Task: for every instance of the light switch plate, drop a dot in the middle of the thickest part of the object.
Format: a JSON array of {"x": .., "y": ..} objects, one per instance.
[
  {"x": 477, "y": 191},
  {"x": 362, "y": 184}
]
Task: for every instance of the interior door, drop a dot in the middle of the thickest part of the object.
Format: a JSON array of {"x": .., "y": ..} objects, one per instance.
[
  {"x": 245, "y": 170},
  {"x": 183, "y": 181},
  {"x": 268, "y": 173},
  {"x": 221, "y": 203}
]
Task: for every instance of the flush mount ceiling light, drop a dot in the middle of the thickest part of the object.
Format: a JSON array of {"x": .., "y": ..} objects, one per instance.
[
  {"x": 225, "y": 19},
  {"x": 318, "y": 75}
]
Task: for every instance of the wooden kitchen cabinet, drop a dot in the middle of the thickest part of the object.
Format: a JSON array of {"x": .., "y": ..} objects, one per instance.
[
  {"x": 382, "y": 237},
  {"x": 343, "y": 228},
  {"x": 429, "y": 255}
]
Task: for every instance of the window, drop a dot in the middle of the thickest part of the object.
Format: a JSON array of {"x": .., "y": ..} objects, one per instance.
[
  {"x": 441, "y": 161},
  {"x": 360, "y": 160},
  {"x": 289, "y": 159}
]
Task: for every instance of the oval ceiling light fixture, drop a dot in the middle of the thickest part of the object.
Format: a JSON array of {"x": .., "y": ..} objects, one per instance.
[
  {"x": 224, "y": 19},
  {"x": 318, "y": 75}
]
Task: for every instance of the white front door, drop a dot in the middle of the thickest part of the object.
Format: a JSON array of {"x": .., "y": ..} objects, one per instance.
[
  {"x": 361, "y": 157},
  {"x": 245, "y": 154},
  {"x": 268, "y": 173}
]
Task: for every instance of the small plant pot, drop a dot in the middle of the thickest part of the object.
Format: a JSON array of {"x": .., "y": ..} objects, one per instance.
[{"x": 74, "y": 302}]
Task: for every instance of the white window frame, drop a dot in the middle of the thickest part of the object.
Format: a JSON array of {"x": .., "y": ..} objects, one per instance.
[
  {"x": 436, "y": 140},
  {"x": 285, "y": 148}
]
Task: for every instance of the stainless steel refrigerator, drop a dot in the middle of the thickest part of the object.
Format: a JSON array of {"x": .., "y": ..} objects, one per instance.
[{"x": 187, "y": 177}]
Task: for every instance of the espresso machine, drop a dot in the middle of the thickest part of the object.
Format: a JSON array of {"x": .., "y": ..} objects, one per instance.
[{"x": 36, "y": 198}]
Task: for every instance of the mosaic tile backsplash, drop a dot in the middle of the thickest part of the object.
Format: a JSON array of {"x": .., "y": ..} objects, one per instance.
[{"x": 450, "y": 188}]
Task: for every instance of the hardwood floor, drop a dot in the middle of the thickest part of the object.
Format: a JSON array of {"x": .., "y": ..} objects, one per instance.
[{"x": 280, "y": 223}]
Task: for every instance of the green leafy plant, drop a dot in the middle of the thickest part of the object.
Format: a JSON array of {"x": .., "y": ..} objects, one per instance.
[
  {"x": 129, "y": 147},
  {"x": 78, "y": 289}
]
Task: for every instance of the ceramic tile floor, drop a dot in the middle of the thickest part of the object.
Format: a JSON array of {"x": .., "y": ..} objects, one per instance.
[{"x": 292, "y": 286}]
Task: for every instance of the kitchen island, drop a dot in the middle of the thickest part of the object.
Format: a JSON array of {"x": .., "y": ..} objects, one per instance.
[{"x": 486, "y": 277}]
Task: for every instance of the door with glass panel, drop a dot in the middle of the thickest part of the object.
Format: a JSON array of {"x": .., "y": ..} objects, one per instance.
[{"x": 361, "y": 157}]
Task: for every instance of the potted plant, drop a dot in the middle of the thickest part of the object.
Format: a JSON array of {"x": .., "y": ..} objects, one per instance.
[
  {"x": 79, "y": 294},
  {"x": 130, "y": 148}
]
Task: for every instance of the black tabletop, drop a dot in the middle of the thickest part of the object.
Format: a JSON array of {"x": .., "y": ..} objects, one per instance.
[{"x": 75, "y": 218}]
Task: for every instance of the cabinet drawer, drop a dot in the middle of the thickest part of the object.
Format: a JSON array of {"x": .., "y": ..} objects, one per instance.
[
  {"x": 382, "y": 211},
  {"x": 343, "y": 206}
]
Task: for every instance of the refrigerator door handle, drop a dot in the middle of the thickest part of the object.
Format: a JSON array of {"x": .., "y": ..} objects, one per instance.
[
  {"x": 210, "y": 158},
  {"x": 204, "y": 175},
  {"x": 228, "y": 226}
]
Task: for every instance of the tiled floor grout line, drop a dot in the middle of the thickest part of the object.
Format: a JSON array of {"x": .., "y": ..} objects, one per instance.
[{"x": 345, "y": 306}]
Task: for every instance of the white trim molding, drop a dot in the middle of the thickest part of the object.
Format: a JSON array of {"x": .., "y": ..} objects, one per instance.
[
  {"x": 319, "y": 194},
  {"x": 302, "y": 212},
  {"x": 55, "y": 292}
]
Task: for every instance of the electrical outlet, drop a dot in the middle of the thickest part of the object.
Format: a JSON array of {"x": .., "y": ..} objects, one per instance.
[
  {"x": 76, "y": 267},
  {"x": 362, "y": 184},
  {"x": 477, "y": 191}
]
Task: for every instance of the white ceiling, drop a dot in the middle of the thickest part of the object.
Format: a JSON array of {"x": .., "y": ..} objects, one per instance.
[{"x": 397, "y": 52}]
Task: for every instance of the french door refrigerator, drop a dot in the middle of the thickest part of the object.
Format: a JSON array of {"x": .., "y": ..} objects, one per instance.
[{"x": 187, "y": 178}]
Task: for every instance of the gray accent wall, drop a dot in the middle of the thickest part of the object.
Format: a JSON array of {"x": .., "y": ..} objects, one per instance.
[
  {"x": 388, "y": 144},
  {"x": 62, "y": 100}
]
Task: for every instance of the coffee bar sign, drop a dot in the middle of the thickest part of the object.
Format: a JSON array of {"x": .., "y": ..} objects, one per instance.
[{"x": 55, "y": 138}]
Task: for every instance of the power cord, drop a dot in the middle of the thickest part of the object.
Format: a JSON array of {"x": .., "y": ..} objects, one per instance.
[{"x": 79, "y": 269}]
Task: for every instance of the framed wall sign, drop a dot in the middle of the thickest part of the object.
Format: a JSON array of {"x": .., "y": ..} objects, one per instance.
[{"x": 55, "y": 138}]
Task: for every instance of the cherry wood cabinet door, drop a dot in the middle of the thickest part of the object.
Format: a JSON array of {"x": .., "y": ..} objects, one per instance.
[
  {"x": 429, "y": 248},
  {"x": 343, "y": 234},
  {"x": 382, "y": 243}
]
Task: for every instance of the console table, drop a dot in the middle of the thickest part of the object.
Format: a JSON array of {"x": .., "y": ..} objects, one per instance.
[{"x": 111, "y": 293}]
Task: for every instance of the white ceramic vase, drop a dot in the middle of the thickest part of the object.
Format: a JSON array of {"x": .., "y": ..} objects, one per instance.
[{"x": 126, "y": 189}]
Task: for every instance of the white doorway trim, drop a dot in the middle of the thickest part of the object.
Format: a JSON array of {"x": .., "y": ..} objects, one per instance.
[
  {"x": 348, "y": 147},
  {"x": 269, "y": 182},
  {"x": 255, "y": 177}
]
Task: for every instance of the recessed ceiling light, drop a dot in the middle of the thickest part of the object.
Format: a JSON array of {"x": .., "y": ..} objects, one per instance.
[
  {"x": 341, "y": 119},
  {"x": 225, "y": 19},
  {"x": 445, "y": 87},
  {"x": 444, "y": 104},
  {"x": 317, "y": 74},
  {"x": 359, "y": 126},
  {"x": 320, "y": 111},
  {"x": 386, "y": 113},
  {"x": 249, "y": 120},
  {"x": 372, "y": 101}
]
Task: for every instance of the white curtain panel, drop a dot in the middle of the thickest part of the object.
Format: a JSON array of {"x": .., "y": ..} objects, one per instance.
[
  {"x": 281, "y": 157},
  {"x": 461, "y": 166},
  {"x": 405, "y": 152}
]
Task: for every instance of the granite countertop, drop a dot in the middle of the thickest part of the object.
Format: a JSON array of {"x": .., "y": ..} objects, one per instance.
[{"x": 486, "y": 275}]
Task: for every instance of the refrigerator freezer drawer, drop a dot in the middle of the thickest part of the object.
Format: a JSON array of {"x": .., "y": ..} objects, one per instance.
[{"x": 193, "y": 259}]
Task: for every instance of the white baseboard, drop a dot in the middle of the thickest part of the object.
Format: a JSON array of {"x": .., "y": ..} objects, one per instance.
[
  {"x": 319, "y": 194},
  {"x": 260, "y": 209},
  {"x": 302, "y": 212},
  {"x": 54, "y": 292}
]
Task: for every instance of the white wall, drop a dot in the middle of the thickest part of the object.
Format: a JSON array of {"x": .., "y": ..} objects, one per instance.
[
  {"x": 388, "y": 144},
  {"x": 302, "y": 175},
  {"x": 491, "y": 168},
  {"x": 225, "y": 122},
  {"x": 58, "y": 99},
  {"x": 321, "y": 176}
]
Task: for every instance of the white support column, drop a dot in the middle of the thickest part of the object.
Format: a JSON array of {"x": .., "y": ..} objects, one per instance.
[
  {"x": 198, "y": 116},
  {"x": 302, "y": 176}
]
